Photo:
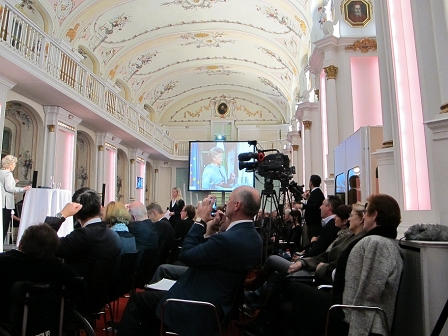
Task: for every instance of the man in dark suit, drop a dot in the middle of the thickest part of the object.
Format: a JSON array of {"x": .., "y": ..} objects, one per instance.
[
  {"x": 329, "y": 231},
  {"x": 217, "y": 263},
  {"x": 90, "y": 248},
  {"x": 94, "y": 240},
  {"x": 312, "y": 207},
  {"x": 162, "y": 225},
  {"x": 184, "y": 225},
  {"x": 142, "y": 228}
]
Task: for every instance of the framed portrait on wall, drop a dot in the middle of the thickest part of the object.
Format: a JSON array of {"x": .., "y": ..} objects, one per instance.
[{"x": 357, "y": 13}]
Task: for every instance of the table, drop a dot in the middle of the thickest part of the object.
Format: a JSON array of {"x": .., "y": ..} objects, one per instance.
[{"x": 40, "y": 203}]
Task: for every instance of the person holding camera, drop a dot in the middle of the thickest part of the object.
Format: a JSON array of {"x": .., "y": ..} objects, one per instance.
[
  {"x": 217, "y": 263},
  {"x": 311, "y": 205}
]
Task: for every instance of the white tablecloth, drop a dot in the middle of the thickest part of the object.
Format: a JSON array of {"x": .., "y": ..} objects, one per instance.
[{"x": 40, "y": 203}]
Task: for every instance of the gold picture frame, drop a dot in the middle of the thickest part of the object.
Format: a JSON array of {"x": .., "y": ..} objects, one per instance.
[{"x": 357, "y": 13}]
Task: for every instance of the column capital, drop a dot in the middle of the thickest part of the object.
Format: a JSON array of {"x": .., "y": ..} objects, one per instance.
[
  {"x": 307, "y": 124},
  {"x": 295, "y": 148},
  {"x": 100, "y": 148},
  {"x": 444, "y": 108},
  {"x": 331, "y": 71},
  {"x": 51, "y": 128},
  {"x": 132, "y": 161}
]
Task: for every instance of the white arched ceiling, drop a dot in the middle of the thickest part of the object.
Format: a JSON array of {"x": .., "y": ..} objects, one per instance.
[{"x": 178, "y": 54}]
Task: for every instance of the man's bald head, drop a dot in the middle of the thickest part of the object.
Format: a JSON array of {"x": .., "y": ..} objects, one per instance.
[{"x": 138, "y": 211}]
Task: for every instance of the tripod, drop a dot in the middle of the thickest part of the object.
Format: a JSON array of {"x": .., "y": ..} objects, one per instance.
[{"x": 274, "y": 201}]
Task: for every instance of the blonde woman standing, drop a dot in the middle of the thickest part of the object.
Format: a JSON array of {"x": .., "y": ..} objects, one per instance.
[
  {"x": 8, "y": 188},
  {"x": 176, "y": 206}
]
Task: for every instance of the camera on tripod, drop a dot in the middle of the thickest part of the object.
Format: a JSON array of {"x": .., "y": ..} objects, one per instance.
[
  {"x": 271, "y": 166},
  {"x": 296, "y": 190}
]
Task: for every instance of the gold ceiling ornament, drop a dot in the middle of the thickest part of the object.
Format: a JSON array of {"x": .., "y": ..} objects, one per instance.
[
  {"x": 444, "y": 108},
  {"x": 388, "y": 144},
  {"x": 364, "y": 45},
  {"x": 331, "y": 71},
  {"x": 307, "y": 124}
]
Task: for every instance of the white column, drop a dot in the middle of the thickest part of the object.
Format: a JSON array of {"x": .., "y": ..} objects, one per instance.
[
  {"x": 5, "y": 86},
  {"x": 132, "y": 178},
  {"x": 295, "y": 138},
  {"x": 132, "y": 173},
  {"x": 332, "y": 118},
  {"x": 100, "y": 142},
  {"x": 388, "y": 100},
  {"x": 307, "y": 144}
]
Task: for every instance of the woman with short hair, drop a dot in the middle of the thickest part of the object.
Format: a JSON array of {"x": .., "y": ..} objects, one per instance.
[
  {"x": 118, "y": 217},
  {"x": 8, "y": 188}
]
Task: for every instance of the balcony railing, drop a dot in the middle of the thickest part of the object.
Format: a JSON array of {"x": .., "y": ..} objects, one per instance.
[{"x": 29, "y": 42}]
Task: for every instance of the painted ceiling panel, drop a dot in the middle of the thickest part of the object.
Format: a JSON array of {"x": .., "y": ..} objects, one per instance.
[{"x": 180, "y": 56}]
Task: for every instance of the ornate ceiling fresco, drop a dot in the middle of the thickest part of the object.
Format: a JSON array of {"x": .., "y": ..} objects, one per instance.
[{"x": 180, "y": 59}]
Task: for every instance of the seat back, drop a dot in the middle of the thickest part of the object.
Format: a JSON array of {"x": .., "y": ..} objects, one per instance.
[
  {"x": 126, "y": 275},
  {"x": 103, "y": 274},
  {"x": 143, "y": 273},
  {"x": 152, "y": 258},
  {"x": 203, "y": 318},
  {"x": 378, "y": 310},
  {"x": 36, "y": 308}
]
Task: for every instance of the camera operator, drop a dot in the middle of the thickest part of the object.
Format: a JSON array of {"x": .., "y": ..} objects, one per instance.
[{"x": 311, "y": 205}]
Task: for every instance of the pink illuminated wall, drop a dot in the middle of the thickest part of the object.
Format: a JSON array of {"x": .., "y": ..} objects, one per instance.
[
  {"x": 409, "y": 107},
  {"x": 366, "y": 95},
  {"x": 323, "y": 111},
  {"x": 63, "y": 172},
  {"x": 140, "y": 193},
  {"x": 110, "y": 175}
]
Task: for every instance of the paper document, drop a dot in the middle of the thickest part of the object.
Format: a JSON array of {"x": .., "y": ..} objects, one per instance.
[
  {"x": 167, "y": 214},
  {"x": 163, "y": 284}
]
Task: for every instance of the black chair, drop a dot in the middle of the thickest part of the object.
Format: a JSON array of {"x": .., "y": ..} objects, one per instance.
[
  {"x": 152, "y": 258},
  {"x": 203, "y": 316},
  {"x": 202, "y": 312},
  {"x": 377, "y": 310},
  {"x": 39, "y": 308},
  {"x": 125, "y": 282},
  {"x": 126, "y": 276},
  {"x": 35, "y": 308}
]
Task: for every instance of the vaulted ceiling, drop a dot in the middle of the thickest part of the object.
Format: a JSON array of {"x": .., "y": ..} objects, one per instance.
[{"x": 180, "y": 59}]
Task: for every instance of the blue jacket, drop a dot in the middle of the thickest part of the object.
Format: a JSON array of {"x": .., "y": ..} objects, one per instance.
[{"x": 216, "y": 267}]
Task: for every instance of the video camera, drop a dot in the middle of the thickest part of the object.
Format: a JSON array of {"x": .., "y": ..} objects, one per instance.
[
  {"x": 273, "y": 166},
  {"x": 296, "y": 190}
]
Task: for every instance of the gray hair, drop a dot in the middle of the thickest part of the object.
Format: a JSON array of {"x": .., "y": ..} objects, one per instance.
[
  {"x": 154, "y": 207},
  {"x": 8, "y": 161}
]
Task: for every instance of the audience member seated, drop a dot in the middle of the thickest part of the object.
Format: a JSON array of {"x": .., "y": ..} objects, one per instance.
[
  {"x": 141, "y": 227},
  {"x": 117, "y": 218},
  {"x": 165, "y": 232},
  {"x": 216, "y": 263},
  {"x": 370, "y": 265},
  {"x": 33, "y": 261},
  {"x": 182, "y": 227},
  {"x": 329, "y": 231},
  {"x": 90, "y": 248}
]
